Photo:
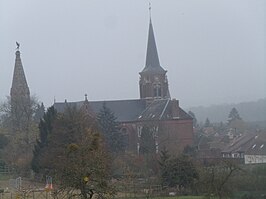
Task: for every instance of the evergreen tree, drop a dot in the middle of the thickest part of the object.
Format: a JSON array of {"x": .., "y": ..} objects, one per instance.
[
  {"x": 164, "y": 163},
  {"x": 178, "y": 172},
  {"x": 40, "y": 110},
  {"x": 147, "y": 142},
  {"x": 190, "y": 151},
  {"x": 45, "y": 129},
  {"x": 72, "y": 152},
  {"x": 234, "y": 115},
  {"x": 207, "y": 123},
  {"x": 109, "y": 127}
]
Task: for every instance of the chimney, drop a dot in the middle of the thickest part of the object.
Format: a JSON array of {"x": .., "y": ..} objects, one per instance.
[{"x": 175, "y": 108}]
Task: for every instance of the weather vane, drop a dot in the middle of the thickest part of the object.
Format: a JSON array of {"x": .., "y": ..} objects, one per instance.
[{"x": 17, "y": 45}]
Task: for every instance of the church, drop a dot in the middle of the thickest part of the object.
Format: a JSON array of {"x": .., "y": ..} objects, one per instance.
[{"x": 171, "y": 126}]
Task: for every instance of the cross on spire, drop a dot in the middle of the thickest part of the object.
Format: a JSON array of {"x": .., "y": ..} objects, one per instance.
[{"x": 150, "y": 9}]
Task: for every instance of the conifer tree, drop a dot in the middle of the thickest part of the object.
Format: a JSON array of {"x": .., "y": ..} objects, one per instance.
[
  {"x": 45, "y": 129},
  {"x": 207, "y": 123},
  {"x": 234, "y": 115},
  {"x": 147, "y": 142},
  {"x": 72, "y": 153},
  {"x": 109, "y": 127}
]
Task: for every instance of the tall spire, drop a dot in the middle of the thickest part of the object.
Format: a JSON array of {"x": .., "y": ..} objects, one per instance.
[
  {"x": 152, "y": 58},
  {"x": 153, "y": 83},
  {"x": 20, "y": 97},
  {"x": 19, "y": 88}
]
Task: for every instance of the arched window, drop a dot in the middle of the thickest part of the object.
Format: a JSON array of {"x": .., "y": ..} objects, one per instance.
[{"x": 157, "y": 90}]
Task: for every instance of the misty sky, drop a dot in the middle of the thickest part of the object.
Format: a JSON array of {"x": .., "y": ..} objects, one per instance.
[{"x": 213, "y": 50}]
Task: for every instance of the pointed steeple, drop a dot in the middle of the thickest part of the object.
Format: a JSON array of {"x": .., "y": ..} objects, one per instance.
[
  {"x": 152, "y": 59},
  {"x": 153, "y": 83},
  {"x": 20, "y": 97},
  {"x": 19, "y": 88}
]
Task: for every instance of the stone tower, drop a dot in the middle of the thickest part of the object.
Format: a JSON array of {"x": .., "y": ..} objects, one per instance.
[
  {"x": 153, "y": 83},
  {"x": 19, "y": 95}
]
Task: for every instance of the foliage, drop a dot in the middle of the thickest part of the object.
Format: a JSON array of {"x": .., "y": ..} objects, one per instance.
[
  {"x": 177, "y": 171},
  {"x": 163, "y": 163},
  {"x": 39, "y": 113},
  {"x": 45, "y": 130},
  {"x": 18, "y": 152},
  {"x": 109, "y": 128},
  {"x": 190, "y": 151},
  {"x": 234, "y": 115},
  {"x": 147, "y": 150},
  {"x": 3, "y": 141},
  {"x": 147, "y": 141},
  {"x": 207, "y": 123},
  {"x": 18, "y": 124},
  {"x": 216, "y": 178},
  {"x": 74, "y": 154},
  {"x": 235, "y": 122},
  {"x": 17, "y": 114}
]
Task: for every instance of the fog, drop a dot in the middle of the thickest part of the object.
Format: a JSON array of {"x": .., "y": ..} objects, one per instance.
[{"x": 214, "y": 51}]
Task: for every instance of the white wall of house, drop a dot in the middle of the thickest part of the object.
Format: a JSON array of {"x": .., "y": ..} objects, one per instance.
[{"x": 255, "y": 159}]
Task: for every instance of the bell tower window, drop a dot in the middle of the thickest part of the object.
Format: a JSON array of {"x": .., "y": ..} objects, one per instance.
[{"x": 157, "y": 90}]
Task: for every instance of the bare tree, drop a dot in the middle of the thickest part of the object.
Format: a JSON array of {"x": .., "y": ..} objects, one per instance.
[
  {"x": 215, "y": 178},
  {"x": 17, "y": 120}
]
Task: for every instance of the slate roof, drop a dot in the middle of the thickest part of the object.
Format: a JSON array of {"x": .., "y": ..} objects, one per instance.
[
  {"x": 241, "y": 144},
  {"x": 130, "y": 110},
  {"x": 124, "y": 110},
  {"x": 19, "y": 82},
  {"x": 250, "y": 144},
  {"x": 161, "y": 109},
  {"x": 152, "y": 65},
  {"x": 258, "y": 146}
]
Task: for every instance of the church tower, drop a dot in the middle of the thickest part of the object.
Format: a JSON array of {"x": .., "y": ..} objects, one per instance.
[
  {"x": 153, "y": 83},
  {"x": 19, "y": 94}
]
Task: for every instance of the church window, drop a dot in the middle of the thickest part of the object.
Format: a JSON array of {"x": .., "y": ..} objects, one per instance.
[
  {"x": 138, "y": 147},
  {"x": 157, "y": 146},
  {"x": 157, "y": 90},
  {"x": 155, "y": 131},
  {"x": 139, "y": 128},
  {"x": 125, "y": 137}
]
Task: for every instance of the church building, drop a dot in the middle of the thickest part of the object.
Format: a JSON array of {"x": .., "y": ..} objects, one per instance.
[{"x": 171, "y": 126}]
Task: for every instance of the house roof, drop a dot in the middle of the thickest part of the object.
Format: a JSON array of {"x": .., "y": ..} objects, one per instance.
[
  {"x": 252, "y": 144},
  {"x": 241, "y": 144},
  {"x": 130, "y": 110},
  {"x": 258, "y": 146}
]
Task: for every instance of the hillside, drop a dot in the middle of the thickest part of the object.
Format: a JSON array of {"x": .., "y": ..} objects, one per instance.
[{"x": 249, "y": 111}]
